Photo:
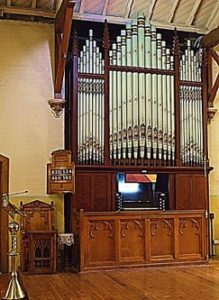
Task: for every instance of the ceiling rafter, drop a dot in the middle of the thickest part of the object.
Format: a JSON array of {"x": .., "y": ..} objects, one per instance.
[
  {"x": 194, "y": 11},
  {"x": 33, "y": 4},
  {"x": 28, "y": 12},
  {"x": 212, "y": 38},
  {"x": 173, "y": 10},
  {"x": 151, "y": 9},
  {"x": 82, "y": 6},
  {"x": 214, "y": 12},
  {"x": 128, "y": 8},
  {"x": 8, "y": 3},
  {"x": 106, "y": 5},
  {"x": 63, "y": 23},
  {"x": 120, "y": 20}
]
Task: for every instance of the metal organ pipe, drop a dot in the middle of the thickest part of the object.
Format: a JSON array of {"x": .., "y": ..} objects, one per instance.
[
  {"x": 141, "y": 85},
  {"x": 90, "y": 104},
  {"x": 124, "y": 95},
  {"x": 141, "y": 100},
  {"x": 191, "y": 107}
]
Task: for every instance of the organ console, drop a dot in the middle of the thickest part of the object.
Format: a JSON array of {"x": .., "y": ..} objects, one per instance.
[{"x": 137, "y": 105}]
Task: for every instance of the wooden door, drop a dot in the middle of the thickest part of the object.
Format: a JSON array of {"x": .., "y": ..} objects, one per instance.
[{"x": 191, "y": 191}]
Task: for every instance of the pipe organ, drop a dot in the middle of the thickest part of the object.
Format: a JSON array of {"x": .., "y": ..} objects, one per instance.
[
  {"x": 142, "y": 100},
  {"x": 137, "y": 109}
]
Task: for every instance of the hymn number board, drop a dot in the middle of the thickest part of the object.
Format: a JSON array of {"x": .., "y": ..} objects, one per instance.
[{"x": 61, "y": 173}]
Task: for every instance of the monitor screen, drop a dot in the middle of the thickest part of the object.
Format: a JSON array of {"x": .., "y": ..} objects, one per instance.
[{"x": 141, "y": 190}]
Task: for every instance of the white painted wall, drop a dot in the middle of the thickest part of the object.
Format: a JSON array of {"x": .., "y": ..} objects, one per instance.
[{"x": 28, "y": 130}]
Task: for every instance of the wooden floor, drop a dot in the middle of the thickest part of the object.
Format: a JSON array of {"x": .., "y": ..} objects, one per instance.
[{"x": 188, "y": 283}]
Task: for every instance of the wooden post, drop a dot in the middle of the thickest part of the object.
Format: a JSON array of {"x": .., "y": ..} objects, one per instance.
[{"x": 74, "y": 106}]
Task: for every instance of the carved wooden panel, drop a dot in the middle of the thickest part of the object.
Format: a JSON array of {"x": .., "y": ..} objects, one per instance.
[
  {"x": 42, "y": 252},
  {"x": 190, "y": 237},
  {"x": 162, "y": 239},
  {"x": 117, "y": 239},
  {"x": 101, "y": 242},
  {"x": 132, "y": 240},
  {"x": 38, "y": 216}
]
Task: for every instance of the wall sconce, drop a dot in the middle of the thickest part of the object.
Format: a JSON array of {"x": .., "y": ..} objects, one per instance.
[{"x": 57, "y": 105}]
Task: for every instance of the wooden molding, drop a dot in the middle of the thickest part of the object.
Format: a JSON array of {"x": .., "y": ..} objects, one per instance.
[{"x": 63, "y": 23}]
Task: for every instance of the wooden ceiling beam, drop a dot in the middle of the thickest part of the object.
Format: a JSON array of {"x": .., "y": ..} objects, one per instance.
[
  {"x": 33, "y": 4},
  {"x": 63, "y": 23},
  {"x": 120, "y": 20},
  {"x": 214, "y": 88},
  {"x": 28, "y": 12},
  {"x": 151, "y": 9},
  {"x": 214, "y": 55},
  {"x": 128, "y": 9},
  {"x": 211, "y": 39},
  {"x": 82, "y": 6},
  {"x": 8, "y": 3},
  {"x": 213, "y": 14},
  {"x": 214, "y": 91},
  {"x": 173, "y": 10},
  {"x": 194, "y": 11},
  {"x": 106, "y": 5}
]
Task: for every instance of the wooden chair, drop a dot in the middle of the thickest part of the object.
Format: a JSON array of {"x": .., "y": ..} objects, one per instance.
[{"x": 38, "y": 237}]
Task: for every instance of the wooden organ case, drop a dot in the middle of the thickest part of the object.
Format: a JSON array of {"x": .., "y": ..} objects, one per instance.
[{"x": 137, "y": 106}]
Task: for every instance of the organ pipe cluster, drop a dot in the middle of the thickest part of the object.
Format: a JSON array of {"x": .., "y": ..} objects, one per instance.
[
  {"x": 90, "y": 104},
  {"x": 142, "y": 80},
  {"x": 142, "y": 122},
  {"x": 191, "y": 108}
]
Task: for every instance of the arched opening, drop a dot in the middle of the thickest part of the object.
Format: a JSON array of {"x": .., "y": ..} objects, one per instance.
[{"x": 4, "y": 181}]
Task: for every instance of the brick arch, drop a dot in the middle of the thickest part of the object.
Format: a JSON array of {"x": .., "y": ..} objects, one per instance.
[{"x": 4, "y": 182}]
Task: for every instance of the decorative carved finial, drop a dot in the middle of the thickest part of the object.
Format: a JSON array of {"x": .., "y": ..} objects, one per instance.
[
  {"x": 211, "y": 112},
  {"x": 106, "y": 38}
]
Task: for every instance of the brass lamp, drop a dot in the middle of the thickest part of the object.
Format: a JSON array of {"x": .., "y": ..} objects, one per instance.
[{"x": 14, "y": 290}]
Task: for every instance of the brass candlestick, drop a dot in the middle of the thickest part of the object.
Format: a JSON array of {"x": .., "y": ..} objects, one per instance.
[{"x": 14, "y": 290}]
